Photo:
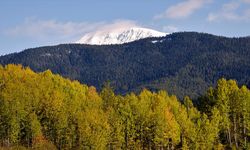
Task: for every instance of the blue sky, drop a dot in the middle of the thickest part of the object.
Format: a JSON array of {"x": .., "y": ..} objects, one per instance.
[{"x": 33, "y": 23}]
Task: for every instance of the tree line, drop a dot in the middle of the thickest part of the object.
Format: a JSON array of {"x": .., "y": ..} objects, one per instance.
[
  {"x": 184, "y": 63},
  {"x": 47, "y": 111}
]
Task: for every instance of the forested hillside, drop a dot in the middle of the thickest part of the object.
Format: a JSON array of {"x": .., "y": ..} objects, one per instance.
[
  {"x": 46, "y": 111},
  {"x": 182, "y": 63}
]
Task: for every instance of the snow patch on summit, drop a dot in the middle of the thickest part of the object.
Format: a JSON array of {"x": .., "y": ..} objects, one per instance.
[{"x": 119, "y": 36}]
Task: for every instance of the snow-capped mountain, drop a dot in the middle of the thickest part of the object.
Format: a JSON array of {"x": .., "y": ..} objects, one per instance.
[{"x": 118, "y": 36}]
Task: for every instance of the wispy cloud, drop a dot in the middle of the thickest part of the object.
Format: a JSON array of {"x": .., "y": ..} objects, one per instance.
[
  {"x": 183, "y": 9},
  {"x": 231, "y": 6},
  {"x": 231, "y": 11},
  {"x": 116, "y": 26},
  {"x": 246, "y": 1},
  {"x": 49, "y": 29},
  {"x": 60, "y": 32},
  {"x": 170, "y": 29}
]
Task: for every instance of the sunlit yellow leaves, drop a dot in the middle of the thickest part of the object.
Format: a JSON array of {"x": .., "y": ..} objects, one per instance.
[{"x": 46, "y": 111}]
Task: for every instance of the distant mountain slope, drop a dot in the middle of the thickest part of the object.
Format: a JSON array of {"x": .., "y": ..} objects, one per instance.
[
  {"x": 182, "y": 63},
  {"x": 118, "y": 36}
]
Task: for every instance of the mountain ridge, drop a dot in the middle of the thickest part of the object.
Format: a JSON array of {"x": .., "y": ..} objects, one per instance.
[
  {"x": 184, "y": 63},
  {"x": 118, "y": 36}
]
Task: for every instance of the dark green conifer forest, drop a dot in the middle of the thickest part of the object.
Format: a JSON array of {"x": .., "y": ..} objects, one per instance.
[
  {"x": 183, "y": 63},
  {"x": 46, "y": 111}
]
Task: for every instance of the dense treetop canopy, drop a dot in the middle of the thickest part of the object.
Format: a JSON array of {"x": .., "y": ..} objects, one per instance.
[{"x": 47, "y": 111}]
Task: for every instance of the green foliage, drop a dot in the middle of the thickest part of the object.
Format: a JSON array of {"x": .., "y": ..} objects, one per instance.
[
  {"x": 45, "y": 108},
  {"x": 233, "y": 106},
  {"x": 46, "y": 111}
]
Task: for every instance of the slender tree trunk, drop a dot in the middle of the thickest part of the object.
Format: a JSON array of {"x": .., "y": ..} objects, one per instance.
[
  {"x": 181, "y": 140},
  {"x": 126, "y": 138},
  {"x": 229, "y": 137},
  {"x": 235, "y": 133},
  {"x": 244, "y": 132},
  {"x": 8, "y": 141},
  {"x": 172, "y": 146}
]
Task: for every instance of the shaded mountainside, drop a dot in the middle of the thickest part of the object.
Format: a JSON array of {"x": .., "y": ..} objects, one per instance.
[{"x": 182, "y": 63}]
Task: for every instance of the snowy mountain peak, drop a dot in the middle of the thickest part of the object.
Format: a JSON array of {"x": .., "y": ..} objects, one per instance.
[{"x": 118, "y": 36}]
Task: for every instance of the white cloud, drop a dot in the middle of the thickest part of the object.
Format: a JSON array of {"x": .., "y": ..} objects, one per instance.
[
  {"x": 60, "y": 32},
  {"x": 231, "y": 6},
  {"x": 231, "y": 12},
  {"x": 170, "y": 29},
  {"x": 223, "y": 16},
  {"x": 246, "y": 1},
  {"x": 49, "y": 29},
  {"x": 116, "y": 26},
  {"x": 183, "y": 9}
]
